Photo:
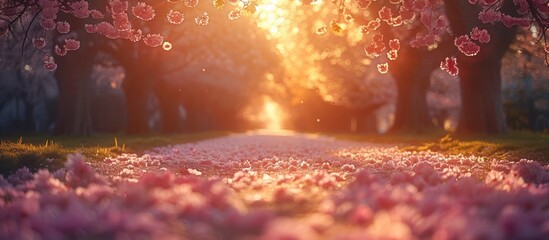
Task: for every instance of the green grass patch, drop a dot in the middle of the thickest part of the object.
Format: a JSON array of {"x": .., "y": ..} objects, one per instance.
[
  {"x": 512, "y": 146},
  {"x": 50, "y": 152}
]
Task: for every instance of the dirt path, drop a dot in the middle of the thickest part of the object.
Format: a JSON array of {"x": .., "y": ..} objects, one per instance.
[{"x": 285, "y": 186}]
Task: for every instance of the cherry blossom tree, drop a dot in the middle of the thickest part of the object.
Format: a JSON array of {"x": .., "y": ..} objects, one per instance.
[
  {"x": 409, "y": 64},
  {"x": 480, "y": 77}
]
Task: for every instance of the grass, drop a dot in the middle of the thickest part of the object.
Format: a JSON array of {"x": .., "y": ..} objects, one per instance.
[
  {"x": 512, "y": 146},
  {"x": 36, "y": 152}
]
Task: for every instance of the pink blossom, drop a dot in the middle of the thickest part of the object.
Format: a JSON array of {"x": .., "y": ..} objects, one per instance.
[
  {"x": 194, "y": 3},
  {"x": 49, "y": 64},
  {"x": 461, "y": 40},
  {"x": 63, "y": 27},
  {"x": 80, "y": 174},
  {"x": 510, "y": 21},
  {"x": 106, "y": 29},
  {"x": 385, "y": 14},
  {"x": 153, "y": 40},
  {"x": 387, "y": 193},
  {"x": 118, "y": 6},
  {"x": 450, "y": 66},
  {"x": 202, "y": 19},
  {"x": 392, "y": 55},
  {"x": 121, "y": 22},
  {"x": 175, "y": 17},
  {"x": 71, "y": 44},
  {"x": 61, "y": 51},
  {"x": 90, "y": 28},
  {"x": 377, "y": 47},
  {"x": 466, "y": 46},
  {"x": 489, "y": 16},
  {"x": 143, "y": 11},
  {"x": 373, "y": 24},
  {"x": 235, "y": 14},
  {"x": 80, "y": 9},
  {"x": 96, "y": 14},
  {"x": 132, "y": 35},
  {"x": 480, "y": 35},
  {"x": 395, "y": 22},
  {"x": 406, "y": 14},
  {"x": 49, "y": 13},
  {"x": 394, "y": 44},
  {"x": 47, "y": 24},
  {"x": 39, "y": 42}
]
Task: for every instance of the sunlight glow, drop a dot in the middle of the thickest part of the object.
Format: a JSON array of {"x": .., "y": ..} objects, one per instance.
[
  {"x": 272, "y": 115},
  {"x": 272, "y": 17},
  {"x": 299, "y": 58},
  {"x": 266, "y": 114}
]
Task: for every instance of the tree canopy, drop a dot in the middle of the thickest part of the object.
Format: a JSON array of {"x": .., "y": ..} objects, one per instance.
[{"x": 121, "y": 19}]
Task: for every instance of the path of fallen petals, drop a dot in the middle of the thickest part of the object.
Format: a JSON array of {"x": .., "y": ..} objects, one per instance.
[{"x": 279, "y": 187}]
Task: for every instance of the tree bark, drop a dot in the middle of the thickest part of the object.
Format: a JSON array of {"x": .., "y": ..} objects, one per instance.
[{"x": 482, "y": 108}]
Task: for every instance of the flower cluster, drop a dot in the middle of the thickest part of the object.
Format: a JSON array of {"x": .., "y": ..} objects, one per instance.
[
  {"x": 466, "y": 45},
  {"x": 175, "y": 17},
  {"x": 450, "y": 66},
  {"x": 143, "y": 11}
]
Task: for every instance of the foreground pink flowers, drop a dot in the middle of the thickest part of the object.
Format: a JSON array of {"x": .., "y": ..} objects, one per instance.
[{"x": 274, "y": 187}]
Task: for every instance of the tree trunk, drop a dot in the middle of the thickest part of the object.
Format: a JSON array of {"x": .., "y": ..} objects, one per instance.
[
  {"x": 73, "y": 76},
  {"x": 136, "y": 93},
  {"x": 412, "y": 113},
  {"x": 482, "y": 107},
  {"x": 481, "y": 101},
  {"x": 412, "y": 71},
  {"x": 169, "y": 106}
]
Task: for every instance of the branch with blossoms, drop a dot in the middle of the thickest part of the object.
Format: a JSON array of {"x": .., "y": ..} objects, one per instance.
[
  {"x": 118, "y": 19},
  {"x": 430, "y": 15}
]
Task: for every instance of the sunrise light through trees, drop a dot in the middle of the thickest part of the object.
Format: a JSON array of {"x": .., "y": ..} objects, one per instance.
[{"x": 274, "y": 119}]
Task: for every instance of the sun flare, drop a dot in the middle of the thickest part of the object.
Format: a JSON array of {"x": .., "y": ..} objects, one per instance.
[
  {"x": 272, "y": 115},
  {"x": 272, "y": 17}
]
